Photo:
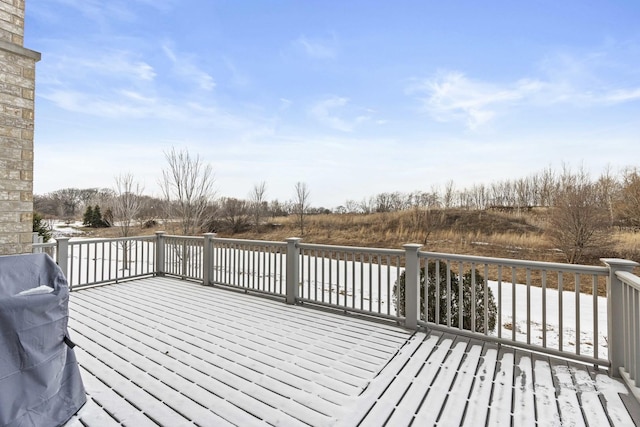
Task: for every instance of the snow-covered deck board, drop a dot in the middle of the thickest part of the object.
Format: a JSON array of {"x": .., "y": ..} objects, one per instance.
[{"x": 170, "y": 352}]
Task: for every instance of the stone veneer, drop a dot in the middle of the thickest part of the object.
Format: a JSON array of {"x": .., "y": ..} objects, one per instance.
[{"x": 17, "y": 94}]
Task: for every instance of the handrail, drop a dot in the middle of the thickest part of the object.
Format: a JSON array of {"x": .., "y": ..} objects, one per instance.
[
  {"x": 108, "y": 239},
  {"x": 363, "y": 250},
  {"x": 45, "y": 245},
  {"x": 629, "y": 279},
  {"x": 538, "y": 265},
  {"x": 625, "y": 305},
  {"x": 262, "y": 243}
]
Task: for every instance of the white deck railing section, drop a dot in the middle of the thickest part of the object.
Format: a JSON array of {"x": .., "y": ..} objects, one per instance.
[
  {"x": 258, "y": 266},
  {"x": 623, "y": 297},
  {"x": 350, "y": 278},
  {"x": 95, "y": 261},
  {"x": 551, "y": 307},
  {"x": 548, "y": 307}
]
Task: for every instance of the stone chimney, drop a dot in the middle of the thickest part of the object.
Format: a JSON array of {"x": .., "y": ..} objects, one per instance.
[{"x": 17, "y": 94}]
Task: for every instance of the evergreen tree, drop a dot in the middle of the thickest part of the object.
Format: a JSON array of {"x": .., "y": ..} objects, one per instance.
[
  {"x": 41, "y": 227},
  {"x": 453, "y": 298},
  {"x": 88, "y": 217},
  {"x": 96, "y": 219}
]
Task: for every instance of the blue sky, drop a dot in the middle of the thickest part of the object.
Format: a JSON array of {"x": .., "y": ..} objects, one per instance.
[{"x": 353, "y": 98}]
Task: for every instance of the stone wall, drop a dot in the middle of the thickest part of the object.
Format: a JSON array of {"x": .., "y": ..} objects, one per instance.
[{"x": 17, "y": 94}]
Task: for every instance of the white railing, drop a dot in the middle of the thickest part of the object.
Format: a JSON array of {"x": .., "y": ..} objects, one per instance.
[
  {"x": 623, "y": 297},
  {"x": 550, "y": 307},
  {"x": 350, "y": 278},
  {"x": 87, "y": 262},
  {"x": 252, "y": 265},
  {"x": 572, "y": 311},
  {"x": 183, "y": 257}
]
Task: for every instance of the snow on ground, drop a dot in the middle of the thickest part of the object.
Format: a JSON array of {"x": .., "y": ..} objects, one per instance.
[
  {"x": 553, "y": 331},
  {"x": 373, "y": 290},
  {"x": 67, "y": 229}
]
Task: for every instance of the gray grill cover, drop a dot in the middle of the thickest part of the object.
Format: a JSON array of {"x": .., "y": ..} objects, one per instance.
[{"x": 40, "y": 383}]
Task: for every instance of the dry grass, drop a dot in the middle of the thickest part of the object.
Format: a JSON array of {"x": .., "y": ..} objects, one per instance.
[
  {"x": 628, "y": 244},
  {"x": 482, "y": 233}
]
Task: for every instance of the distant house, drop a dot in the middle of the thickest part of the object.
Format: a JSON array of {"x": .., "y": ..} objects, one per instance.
[{"x": 17, "y": 94}]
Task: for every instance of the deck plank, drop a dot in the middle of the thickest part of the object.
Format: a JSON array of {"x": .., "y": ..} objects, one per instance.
[
  {"x": 360, "y": 407},
  {"x": 524, "y": 413},
  {"x": 189, "y": 380},
  {"x": 439, "y": 380},
  {"x": 479, "y": 400},
  {"x": 502, "y": 393},
  {"x": 163, "y": 351},
  {"x": 431, "y": 350},
  {"x": 231, "y": 347},
  {"x": 589, "y": 396},
  {"x": 610, "y": 390},
  {"x": 547, "y": 412},
  {"x": 453, "y": 410},
  {"x": 568, "y": 403}
]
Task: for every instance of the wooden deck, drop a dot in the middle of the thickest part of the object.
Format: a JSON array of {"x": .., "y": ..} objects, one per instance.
[{"x": 161, "y": 351}]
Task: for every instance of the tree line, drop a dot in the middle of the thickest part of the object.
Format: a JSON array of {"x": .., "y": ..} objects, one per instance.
[
  {"x": 188, "y": 201},
  {"x": 581, "y": 209},
  {"x": 617, "y": 192}
]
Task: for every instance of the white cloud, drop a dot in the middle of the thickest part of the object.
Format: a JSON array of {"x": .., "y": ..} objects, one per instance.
[
  {"x": 119, "y": 104},
  {"x": 316, "y": 48},
  {"x": 622, "y": 95},
  {"x": 79, "y": 68},
  {"x": 325, "y": 112},
  {"x": 285, "y": 104},
  {"x": 452, "y": 96},
  {"x": 101, "y": 11},
  {"x": 184, "y": 65},
  {"x": 129, "y": 104}
]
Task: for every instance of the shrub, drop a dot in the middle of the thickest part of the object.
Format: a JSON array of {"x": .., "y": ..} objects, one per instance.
[
  {"x": 467, "y": 278},
  {"x": 41, "y": 227},
  {"x": 93, "y": 217}
]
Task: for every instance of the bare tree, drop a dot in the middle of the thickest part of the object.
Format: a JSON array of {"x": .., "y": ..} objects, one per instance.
[
  {"x": 68, "y": 200},
  {"x": 187, "y": 186},
  {"x": 235, "y": 214},
  {"x": 352, "y": 206},
  {"x": 629, "y": 203},
  {"x": 608, "y": 188},
  {"x": 548, "y": 185},
  {"x": 301, "y": 203},
  {"x": 125, "y": 205},
  {"x": 578, "y": 224},
  {"x": 449, "y": 193},
  {"x": 127, "y": 202},
  {"x": 258, "y": 202}
]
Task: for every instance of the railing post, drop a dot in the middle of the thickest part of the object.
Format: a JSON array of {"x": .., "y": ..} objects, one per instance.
[
  {"x": 160, "y": 253},
  {"x": 36, "y": 238},
  {"x": 615, "y": 313},
  {"x": 62, "y": 257},
  {"x": 411, "y": 286},
  {"x": 207, "y": 258},
  {"x": 293, "y": 268}
]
